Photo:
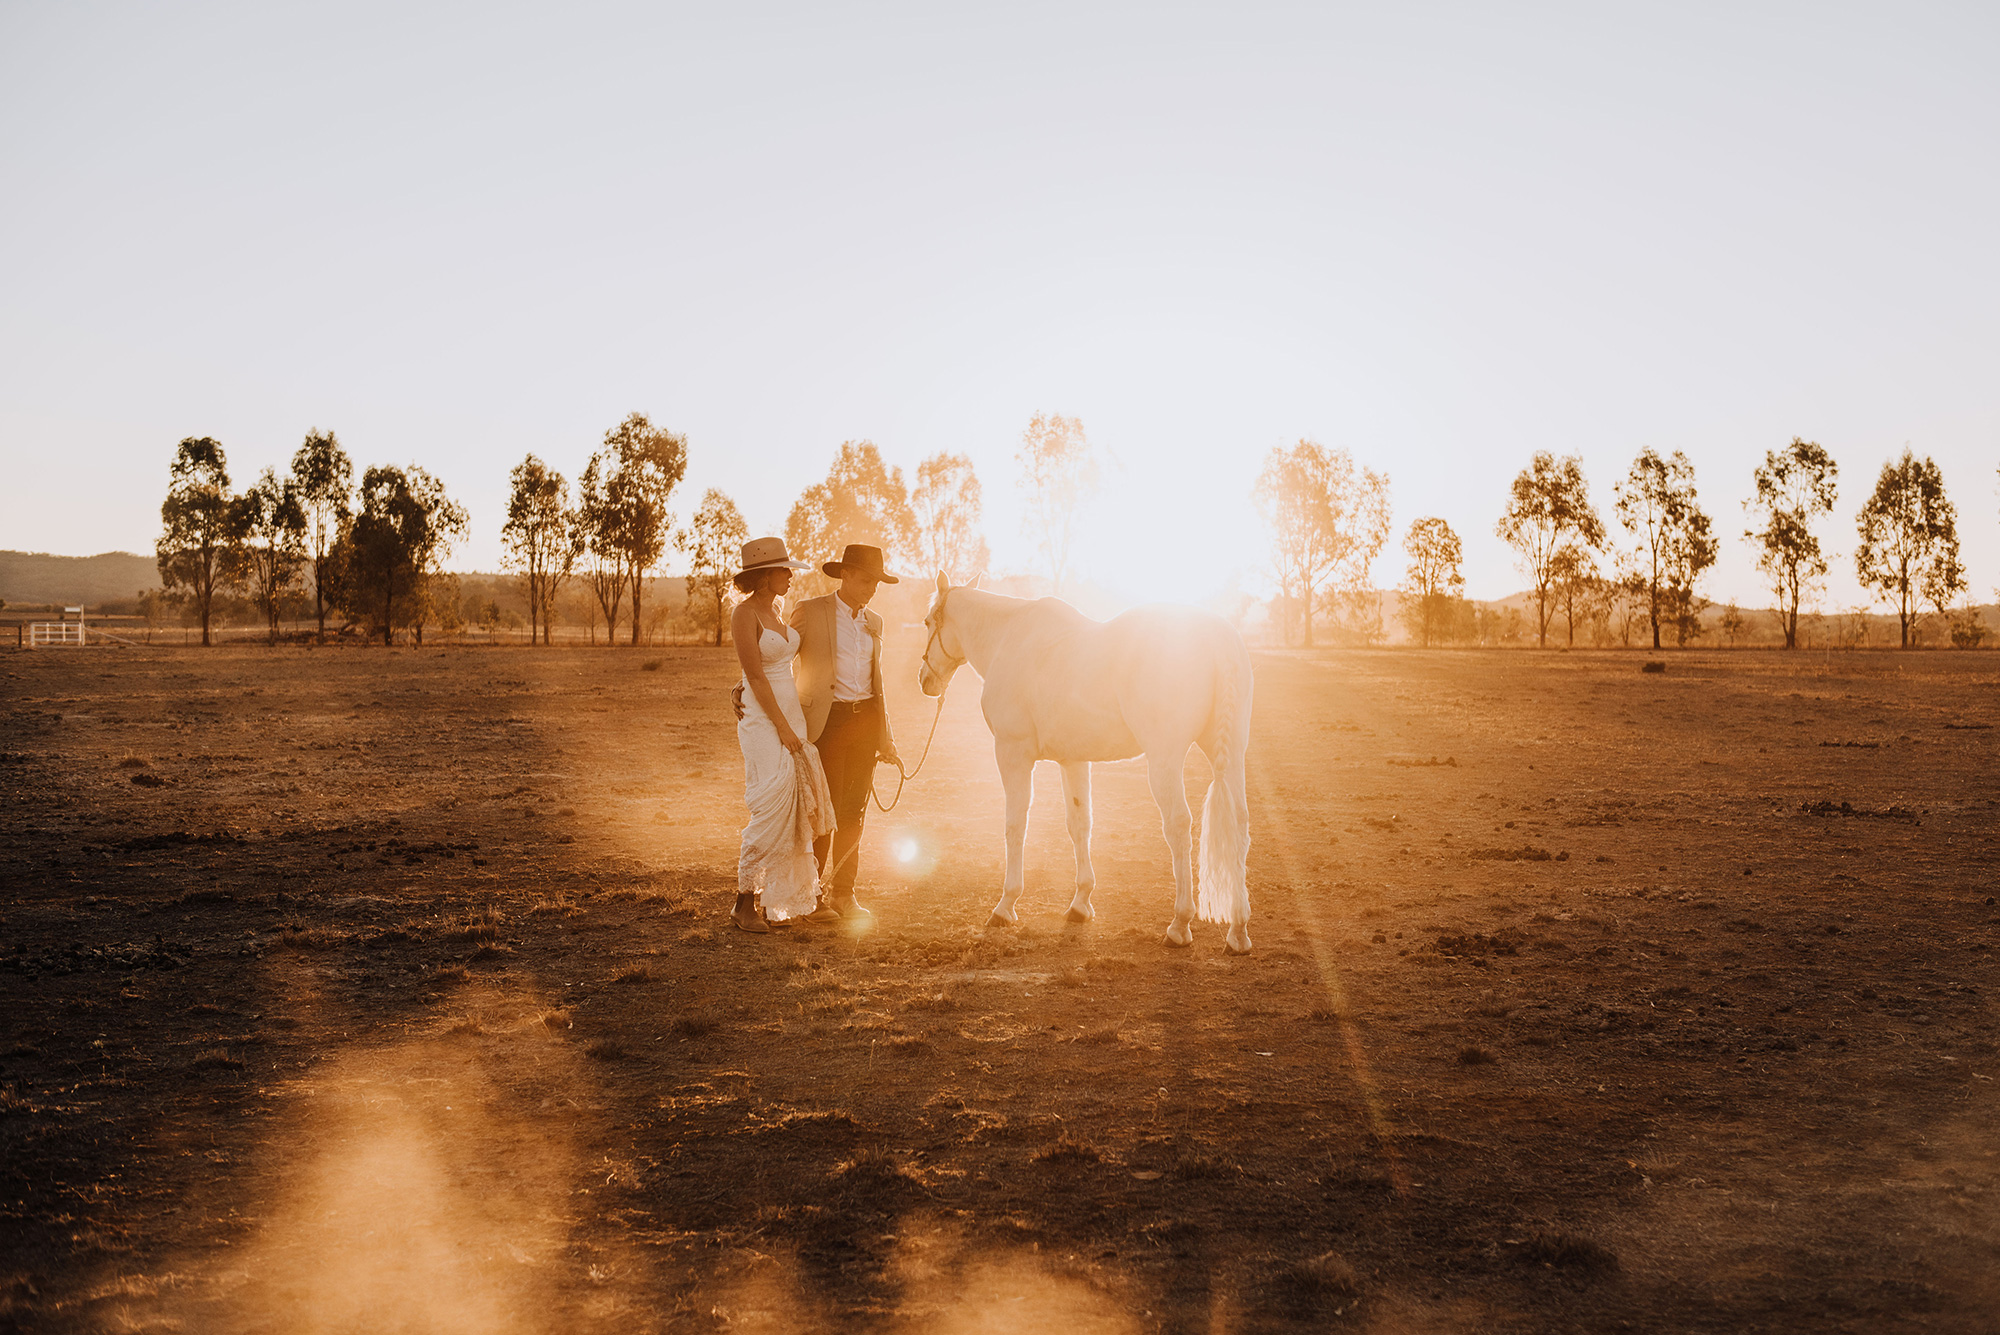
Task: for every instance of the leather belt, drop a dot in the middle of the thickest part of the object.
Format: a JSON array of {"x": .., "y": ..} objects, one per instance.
[{"x": 855, "y": 706}]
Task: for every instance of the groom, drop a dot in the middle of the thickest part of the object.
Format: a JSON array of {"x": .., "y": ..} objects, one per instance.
[{"x": 838, "y": 672}]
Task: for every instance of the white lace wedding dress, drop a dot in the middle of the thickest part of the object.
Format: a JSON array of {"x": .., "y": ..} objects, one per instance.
[{"x": 790, "y": 804}]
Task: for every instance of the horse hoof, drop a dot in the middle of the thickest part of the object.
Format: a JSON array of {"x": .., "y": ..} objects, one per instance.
[
  {"x": 1077, "y": 915},
  {"x": 997, "y": 921},
  {"x": 1234, "y": 949},
  {"x": 1179, "y": 945}
]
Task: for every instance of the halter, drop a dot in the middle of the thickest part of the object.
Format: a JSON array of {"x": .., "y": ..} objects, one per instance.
[{"x": 937, "y": 638}]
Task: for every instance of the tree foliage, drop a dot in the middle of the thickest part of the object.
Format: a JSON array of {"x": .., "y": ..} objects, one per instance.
[
  {"x": 323, "y": 484},
  {"x": 1058, "y": 476},
  {"x": 1657, "y": 504},
  {"x": 623, "y": 504},
  {"x": 268, "y": 528},
  {"x": 542, "y": 538},
  {"x": 715, "y": 541},
  {"x": 945, "y": 509},
  {"x": 603, "y": 555},
  {"x": 396, "y": 544},
  {"x": 1328, "y": 522},
  {"x": 1795, "y": 485},
  {"x": 1575, "y": 587},
  {"x": 1909, "y": 542},
  {"x": 862, "y": 500},
  {"x": 1433, "y": 585},
  {"x": 196, "y": 551},
  {"x": 1548, "y": 511}
]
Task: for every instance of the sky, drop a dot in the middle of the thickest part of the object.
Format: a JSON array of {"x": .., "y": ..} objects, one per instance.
[{"x": 1440, "y": 236}]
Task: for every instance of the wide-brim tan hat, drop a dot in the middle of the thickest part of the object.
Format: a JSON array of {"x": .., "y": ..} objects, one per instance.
[
  {"x": 864, "y": 560},
  {"x": 768, "y": 554}
]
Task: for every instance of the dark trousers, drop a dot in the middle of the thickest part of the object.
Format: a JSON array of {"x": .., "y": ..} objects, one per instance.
[{"x": 847, "y": 752}]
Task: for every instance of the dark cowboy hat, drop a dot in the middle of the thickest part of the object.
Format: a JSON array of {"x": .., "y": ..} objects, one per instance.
[{"x": 864, "y": 560}]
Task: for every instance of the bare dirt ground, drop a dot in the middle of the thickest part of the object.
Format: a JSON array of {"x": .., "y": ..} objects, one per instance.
[{"x": 365, "y": 990}]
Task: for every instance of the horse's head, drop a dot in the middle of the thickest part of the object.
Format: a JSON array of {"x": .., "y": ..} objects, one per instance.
[{"x": 943, "y": 654}]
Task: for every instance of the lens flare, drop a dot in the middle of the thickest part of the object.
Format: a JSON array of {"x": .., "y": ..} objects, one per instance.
[{"x": 906, "y": 850}]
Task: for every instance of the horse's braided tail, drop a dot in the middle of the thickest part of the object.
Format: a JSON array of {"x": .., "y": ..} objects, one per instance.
[{"x": 1225, "y": 815}]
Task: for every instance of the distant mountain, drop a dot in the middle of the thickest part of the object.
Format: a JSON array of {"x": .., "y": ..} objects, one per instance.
[{"x": 37, "y": 577}]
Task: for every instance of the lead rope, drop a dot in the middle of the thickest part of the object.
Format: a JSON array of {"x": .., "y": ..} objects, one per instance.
[{"x": 902, "y": 776}]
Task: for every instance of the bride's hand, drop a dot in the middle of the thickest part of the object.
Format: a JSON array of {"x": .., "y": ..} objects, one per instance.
[{"x": 789, "y": 738}]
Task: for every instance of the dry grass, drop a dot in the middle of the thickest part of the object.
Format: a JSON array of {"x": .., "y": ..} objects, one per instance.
[
  {"x": 452, "y": 974},
  {"x": 1474, "y": 1055},
  {"x": 1067, "y": 1149},
  {"x": 554, "y": 908},
  {"x": 556, "y": 1021},
  {"x": 216, "y": 1059},
  {"x": 312, "y": 938},
  {"x": 695, "y": 1025},
  {"x": 1193, "y": 1166},
  {"x": 1322, "y": 1277},
  {"x": 133, "y": 762},
  {"x": 607, "y": 1050},
  {"x": 1567, "y": 1251},
  {"x": 697, "y": 936},
  {"x": 637, "y": 973}
]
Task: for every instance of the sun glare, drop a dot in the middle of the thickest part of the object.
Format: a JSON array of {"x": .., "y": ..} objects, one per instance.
[{"x": 906, "y": 850}]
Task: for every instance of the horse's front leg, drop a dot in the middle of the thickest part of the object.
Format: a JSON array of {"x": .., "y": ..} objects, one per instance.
[
  {"x": 1017, "y": 776},
  {"x": 1163, "y": 773},
  {"x": 1076, "y": 792}
]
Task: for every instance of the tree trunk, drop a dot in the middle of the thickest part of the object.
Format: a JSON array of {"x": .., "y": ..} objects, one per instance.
[
  {"x": 638, "y": 580},
  {"x": 388, "y": 609}
]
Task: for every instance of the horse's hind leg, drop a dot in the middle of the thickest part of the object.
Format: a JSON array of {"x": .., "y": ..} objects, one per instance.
[
  {"x": 1017, "y": 776},
  {"x": 1076, "y": 794},
  {"x": 1177, "y": 823}
]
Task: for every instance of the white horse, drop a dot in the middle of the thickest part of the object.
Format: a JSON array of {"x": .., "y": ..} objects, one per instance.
[{"x": 1060, "y": 686}]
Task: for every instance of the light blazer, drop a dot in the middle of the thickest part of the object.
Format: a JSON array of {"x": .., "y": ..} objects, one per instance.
[{"x": 812, "y": 670}]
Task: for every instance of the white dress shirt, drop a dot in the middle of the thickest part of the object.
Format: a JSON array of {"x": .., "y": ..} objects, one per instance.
[{"x": 853, "y": 654}]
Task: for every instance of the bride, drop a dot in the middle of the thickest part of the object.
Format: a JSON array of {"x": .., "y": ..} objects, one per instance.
[{"x": 784, "y": 784}]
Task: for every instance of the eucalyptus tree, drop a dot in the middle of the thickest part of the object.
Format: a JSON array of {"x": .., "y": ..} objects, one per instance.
[
  {"x": 1059, "y": 475},
  {"x": 1657, "y": 504},
  {"x": 1795, "y": 485},
  {"x": 323, "y": 484},
  {"x": 1909, "y": 542},
  {"x": 1548, "y": 513},
  {"x": 196, "y": 550},
  {"x": 715, "y": 539},
  {"x": 1328, "y": 520},
  {"x": 946, "y": 505},
  {"x": 542, "y": 538},
  {"x": 629, "y": 483},
  {"x": 268, "y": 527},
  {"x": 1433, "y": 582},
  {"x": 396, "y": 544}
]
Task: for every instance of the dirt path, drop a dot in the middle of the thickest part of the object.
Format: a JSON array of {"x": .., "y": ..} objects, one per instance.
[{"x": 366, "y": 990}]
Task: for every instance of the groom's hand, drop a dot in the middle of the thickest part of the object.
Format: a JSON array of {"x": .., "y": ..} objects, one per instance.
[
  {"x": 736, "y": 699},
  {"x": 887, "y": 756}
]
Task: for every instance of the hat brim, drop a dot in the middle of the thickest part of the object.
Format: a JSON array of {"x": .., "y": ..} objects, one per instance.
[
  {"x": 776, "y": 565},
  {"x": 835, "y": 569}
]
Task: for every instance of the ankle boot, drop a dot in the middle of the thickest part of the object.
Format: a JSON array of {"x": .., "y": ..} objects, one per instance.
[{"x": 746, "y": 917}]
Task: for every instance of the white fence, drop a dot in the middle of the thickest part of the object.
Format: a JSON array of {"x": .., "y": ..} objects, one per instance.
[{"x": 49, "y": 634}]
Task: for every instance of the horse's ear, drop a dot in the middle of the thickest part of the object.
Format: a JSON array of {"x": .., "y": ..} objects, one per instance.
[
  {"x": 944, "y": 584},
  {"x": 977, "y": 578}
]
